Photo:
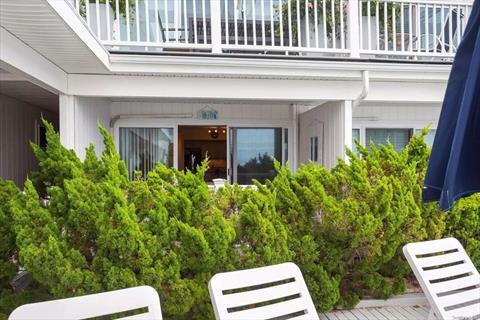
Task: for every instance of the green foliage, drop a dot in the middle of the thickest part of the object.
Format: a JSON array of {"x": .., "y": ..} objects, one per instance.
[
  {"x": 463, "y": 223},
  {"x": 100, "y": 231},
  {"x": 8, "y": 268},
  {"x": 9, "y": 256},
  {"x": 297, "y": 9},
  {"x": 82, "y": 227},
  {"x": 347, "y": 225},
  {"x": 122, "y": 7},
  {"x": 332, "y": 11},
  {"x": 56, "y": 163},
  {"x": 8, "y": 190}
]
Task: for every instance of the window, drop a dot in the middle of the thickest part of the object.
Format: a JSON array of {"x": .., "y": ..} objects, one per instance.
[
  {"x": 143, "y": 148},
  {"x": 314, "y": 149},
  {"x": 254, "y": 152},
  {"x": 429, "y": 137},
  {"x": 397, "y": 137},
  {"x": 355, "y": 136},
  {"x": 41, "y": 136}
]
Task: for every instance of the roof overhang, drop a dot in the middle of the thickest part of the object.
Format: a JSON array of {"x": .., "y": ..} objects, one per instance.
[
  {"x": 279, "y": 68},
  {"x": 18, "y": 58}
]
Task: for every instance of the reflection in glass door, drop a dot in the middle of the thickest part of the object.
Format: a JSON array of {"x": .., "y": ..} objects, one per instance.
[{"x": 253, "y": 151}]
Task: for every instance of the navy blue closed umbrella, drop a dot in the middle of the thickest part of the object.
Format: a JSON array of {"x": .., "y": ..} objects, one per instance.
[{"x": 454, "y": 167}]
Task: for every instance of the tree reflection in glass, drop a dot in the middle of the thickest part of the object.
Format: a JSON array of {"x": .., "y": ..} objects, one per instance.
[{"x": 256, "y": 150}]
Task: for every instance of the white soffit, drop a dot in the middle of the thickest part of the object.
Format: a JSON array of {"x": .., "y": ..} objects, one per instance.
[
  {"x": 20, "y": 88},
  {"x": 39, "y": 24}
]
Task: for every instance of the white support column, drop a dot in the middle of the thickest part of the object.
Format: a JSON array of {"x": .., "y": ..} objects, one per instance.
[
  {"x": 67, "y": 120},
  {"x": 347, "y": 126},
  {"x": 353, "y": 27},
  {"x": 215, "y": 12}
]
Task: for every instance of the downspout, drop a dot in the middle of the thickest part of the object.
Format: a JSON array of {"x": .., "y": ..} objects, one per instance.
[
  {"x": 356, "y": 102},
  {"x": 365, "y": 89}
]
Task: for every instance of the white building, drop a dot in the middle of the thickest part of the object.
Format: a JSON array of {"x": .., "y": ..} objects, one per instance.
[{"x": 240, "y": 80}]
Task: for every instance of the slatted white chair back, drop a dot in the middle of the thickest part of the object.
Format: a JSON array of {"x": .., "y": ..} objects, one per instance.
[
  {"x": 218, "y": 183},
  {"x": 273, "y": 292},
  {"x": 95, "y": 305},
  {"x": 447, "y": 276}
]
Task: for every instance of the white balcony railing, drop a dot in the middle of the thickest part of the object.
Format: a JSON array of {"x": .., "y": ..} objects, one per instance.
[{"x": 407, "y": 29}]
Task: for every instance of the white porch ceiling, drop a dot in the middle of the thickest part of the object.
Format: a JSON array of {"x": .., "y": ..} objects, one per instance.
[
  {"x": 39, "y": 26},
  {"x": 23, "y": 90}
]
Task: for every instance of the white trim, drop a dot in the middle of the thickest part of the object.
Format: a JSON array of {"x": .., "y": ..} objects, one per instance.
[
  {"x": 79, "y": 27},
  {"x": 259, "y": 67},
  {"x": 212, "y": 88},
  {"x": 67, "y": 121},
  {"x": 245, "y": 89}
]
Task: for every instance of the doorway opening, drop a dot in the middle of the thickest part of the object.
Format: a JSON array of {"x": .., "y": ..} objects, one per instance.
[{"x": 196, "y": 143}]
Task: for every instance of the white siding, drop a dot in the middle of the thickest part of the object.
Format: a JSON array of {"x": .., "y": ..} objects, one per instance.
[
  {"x": 18, "y": 126},
  {"x": 89, "y": 113},
  {"x": 388, "y": 115},
  {"x": 226, "y": 111},
  {"x": 328, "y": 123},
  {"x": 397, "y": 114}
]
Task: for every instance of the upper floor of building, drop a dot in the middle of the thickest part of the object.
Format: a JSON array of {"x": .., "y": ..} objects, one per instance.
[
  {"x": 297, "y": 50},
  {"x": 427, "y": 30}
]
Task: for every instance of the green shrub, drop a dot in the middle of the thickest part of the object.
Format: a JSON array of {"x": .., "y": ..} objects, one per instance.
[
  {"x": 8, "y": 268},
  {"x": 9, "y": 256},
  {"x": 347, "y": 225},
  {"x": 463, "y": 223},
  {"x": 8, "y": 190},
  {"x": 99, "y": 231}
]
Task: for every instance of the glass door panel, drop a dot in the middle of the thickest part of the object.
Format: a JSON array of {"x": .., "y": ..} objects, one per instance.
[
  {"x": 253, "y": 153},
  {"x": 143, "y": 148}
]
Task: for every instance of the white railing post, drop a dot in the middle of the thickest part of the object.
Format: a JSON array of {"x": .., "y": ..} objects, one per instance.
[
  {"x": 216, "y": 25},
  {"x": 353, "y": 27}
]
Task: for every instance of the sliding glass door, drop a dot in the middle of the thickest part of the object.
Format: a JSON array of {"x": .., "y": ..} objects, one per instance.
[
  {"x": 252, "y": 153},
  {"x": 143, "y": 148}
]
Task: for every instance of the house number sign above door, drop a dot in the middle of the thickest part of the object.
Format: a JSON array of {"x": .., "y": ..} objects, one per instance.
[{"x": 207, "y": 113}]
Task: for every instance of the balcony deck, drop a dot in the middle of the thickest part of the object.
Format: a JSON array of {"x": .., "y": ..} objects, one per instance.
[{"x": 389, "y": 29}]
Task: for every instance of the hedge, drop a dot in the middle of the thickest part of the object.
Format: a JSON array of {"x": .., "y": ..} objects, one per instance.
[{"x": 99, "y": 231}]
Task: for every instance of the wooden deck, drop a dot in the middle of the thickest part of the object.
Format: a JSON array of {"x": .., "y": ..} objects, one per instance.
[{"x": 380, "y": 313}]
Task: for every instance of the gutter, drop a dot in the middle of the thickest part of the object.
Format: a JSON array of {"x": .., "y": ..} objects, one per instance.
[{"x": 365, "y": 89}]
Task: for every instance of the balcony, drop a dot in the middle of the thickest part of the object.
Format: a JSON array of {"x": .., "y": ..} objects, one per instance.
[{"x": 387, "y": 29}]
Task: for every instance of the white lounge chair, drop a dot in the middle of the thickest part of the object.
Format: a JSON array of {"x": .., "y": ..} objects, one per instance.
[
  {"x": 272, "y": 292},
  {"x": 95, "y": 305},
  {"x": 448, "y": 278}
]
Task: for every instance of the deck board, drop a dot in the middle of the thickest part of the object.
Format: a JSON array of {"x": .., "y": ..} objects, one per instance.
[{"x": 379, "y": 313}]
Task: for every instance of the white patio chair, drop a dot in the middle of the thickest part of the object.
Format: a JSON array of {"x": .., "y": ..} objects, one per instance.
[
  {"x": 95, "y": 305},
  {"x": 448, "y": 278},
  {"x": 273, "y": 292},
  {"x": 218, "y": 183}
]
